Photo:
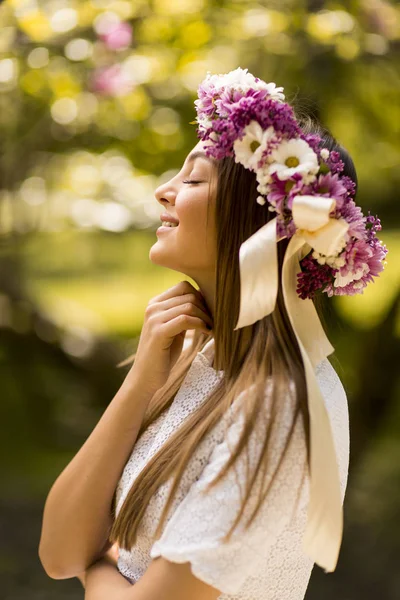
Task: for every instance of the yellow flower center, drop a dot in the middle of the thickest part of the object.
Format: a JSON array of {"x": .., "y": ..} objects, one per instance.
[
  {"x": 292, "y": 161},
  {"x": 254, "y": 145},
  {"x": 288, "y": 186}
]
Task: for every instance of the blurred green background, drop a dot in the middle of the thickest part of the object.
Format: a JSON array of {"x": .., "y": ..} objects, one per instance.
[{"x": 96, "y": 98}]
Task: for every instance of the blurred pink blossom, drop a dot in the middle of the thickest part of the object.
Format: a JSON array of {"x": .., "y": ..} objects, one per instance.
[
  {"x": 117, "y": 36},
  {"x": 111, "y": 81}
]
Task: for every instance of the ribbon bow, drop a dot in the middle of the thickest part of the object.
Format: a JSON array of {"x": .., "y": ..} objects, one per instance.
[{"x": 259, "y": 288}]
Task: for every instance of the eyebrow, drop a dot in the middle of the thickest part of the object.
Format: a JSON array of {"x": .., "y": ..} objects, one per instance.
[{"x": 199, "y": 154}]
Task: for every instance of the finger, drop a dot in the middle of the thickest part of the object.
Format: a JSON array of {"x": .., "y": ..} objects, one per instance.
[
  {"x": 186, "y": 299},
  {"x": 180, "y": 289},
  {"x": 187, "y": 308},
  {"x": 182, "y": 323}
]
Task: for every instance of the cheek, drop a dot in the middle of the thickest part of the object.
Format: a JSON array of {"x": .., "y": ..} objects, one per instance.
[{"x": 193, "y": 216}]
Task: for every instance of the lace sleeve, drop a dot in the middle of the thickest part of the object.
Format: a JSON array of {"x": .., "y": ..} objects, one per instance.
[{"x": 195, "y": 530}]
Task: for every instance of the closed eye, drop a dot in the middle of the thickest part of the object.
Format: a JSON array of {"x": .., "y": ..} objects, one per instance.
[{"x": 191, "y": 181}]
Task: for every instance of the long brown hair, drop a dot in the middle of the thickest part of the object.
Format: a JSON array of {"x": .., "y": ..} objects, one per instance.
[{"x": 266, "y": 351}]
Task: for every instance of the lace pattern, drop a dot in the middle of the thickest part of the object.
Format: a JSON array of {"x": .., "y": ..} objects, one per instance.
[{"x": 267, "y": 561}]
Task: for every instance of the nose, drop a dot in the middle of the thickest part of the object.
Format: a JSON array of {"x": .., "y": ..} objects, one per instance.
[{"x": 165, "y": 194}]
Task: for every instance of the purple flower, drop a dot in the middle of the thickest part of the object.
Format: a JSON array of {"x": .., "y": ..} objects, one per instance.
[
  {"x": 329, "y": 186},
  {"x": 313, "y": 277},
  {"x": 354, "y": 216},
  {"x": 349, "y": 184},
  {"x": 313, "y": 140},
  {"x": 364, "y": 261},
  {"x": 231, "y": 100},
  {"x": 356, "y": 255},
  {"x": 373, "y": 224},
  {"x": 334, "y": 162},
  {"x": 285, "y": 226},
  {"x": 226, "y": 133},
  {"x": 242, "y": 112},
  {"x": 238, "y": 111},
  {"x": 205, "y": 104},
  {"x": 281, "y": 189},
  {"x": 281, "y": 116}
]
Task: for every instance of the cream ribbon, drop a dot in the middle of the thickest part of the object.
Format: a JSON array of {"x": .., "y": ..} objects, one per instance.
[{"x": 259, "y": 288}]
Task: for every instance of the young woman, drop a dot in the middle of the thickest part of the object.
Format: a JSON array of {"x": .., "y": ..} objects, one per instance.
[{"x": 198, "y": 473}]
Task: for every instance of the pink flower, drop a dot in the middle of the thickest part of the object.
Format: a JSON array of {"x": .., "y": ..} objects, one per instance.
[
  {"x": 364, "y": 261},
  {"x": 118, "y": 36},
  {"x": 330, "y": 186},
  {"x": 279, "y": 190},
  {"x": 111, "y": 81},
  {"x": 352, "y": 213}
]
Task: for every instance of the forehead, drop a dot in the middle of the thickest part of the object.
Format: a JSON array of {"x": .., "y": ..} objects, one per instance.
[{"x": 198, "y": 153}]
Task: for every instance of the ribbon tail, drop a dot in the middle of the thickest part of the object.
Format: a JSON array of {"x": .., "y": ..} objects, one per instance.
[
  {"x": 258, "y": 264},
  {"x": 323, "y": 535}
]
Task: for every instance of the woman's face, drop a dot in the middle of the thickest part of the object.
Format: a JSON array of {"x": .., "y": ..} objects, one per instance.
[{"x": 190, "y": 247}]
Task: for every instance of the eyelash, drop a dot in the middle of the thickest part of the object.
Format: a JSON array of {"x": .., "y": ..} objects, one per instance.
[{"x": 191, "y": 181}]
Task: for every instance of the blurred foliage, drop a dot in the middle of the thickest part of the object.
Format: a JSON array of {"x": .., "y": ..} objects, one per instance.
[
  {"x": 96, "y": 98},
  {"x": 74, "y": 106}
]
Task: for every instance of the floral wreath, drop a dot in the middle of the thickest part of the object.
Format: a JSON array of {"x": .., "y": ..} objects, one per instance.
[{"x": 247, "y": 118}]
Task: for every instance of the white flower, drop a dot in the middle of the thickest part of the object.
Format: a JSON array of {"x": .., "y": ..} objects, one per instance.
[
  {"x": 343, "y": 280},
  {"x": 240, "y": 79},
  {"x": 335, "y": 260},
  {"x": 200, "y": 104},
  {"x": 339, "y": 262},
  {"x": 293, "y": 156},
  {"x": 324, "y": 153},
  {"x": 249, "y": 150},
  {"x": 322, "y": 259},
  {"x": 263, "y": 176},
  {"x": 204, "y": 124},
  {"x": 276, "y": 93},
  {"x": 204, "y": 121},
  {"x": 309, "y": 178}
]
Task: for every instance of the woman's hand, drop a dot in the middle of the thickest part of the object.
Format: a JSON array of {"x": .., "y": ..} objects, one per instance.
[{"x": 167, "y": 318}]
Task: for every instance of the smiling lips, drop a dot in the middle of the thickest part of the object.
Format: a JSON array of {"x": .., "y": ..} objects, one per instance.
[
  {"x": 168, "y": 218},
  {"x": 164, "y": 227}
]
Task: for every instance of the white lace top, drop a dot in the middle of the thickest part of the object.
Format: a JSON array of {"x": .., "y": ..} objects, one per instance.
[{"x": 266, "y": 562}]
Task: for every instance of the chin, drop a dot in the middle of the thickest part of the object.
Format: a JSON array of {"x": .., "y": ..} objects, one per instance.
[
  {"x": 160, "y": 259},
  {"x": 156, "y": 258}
]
